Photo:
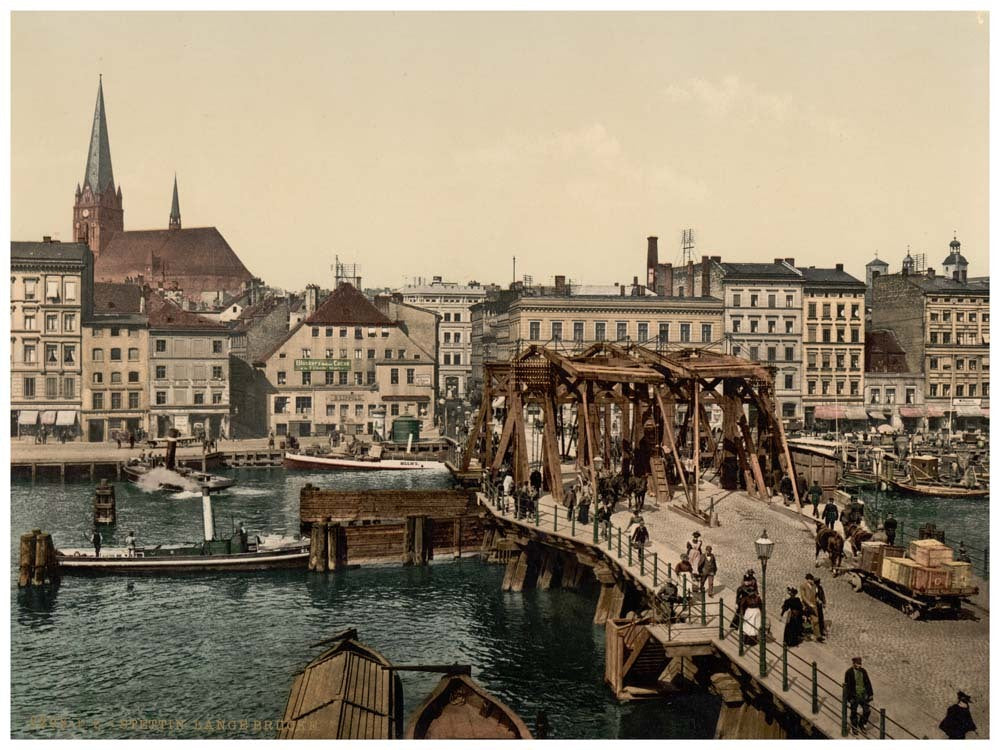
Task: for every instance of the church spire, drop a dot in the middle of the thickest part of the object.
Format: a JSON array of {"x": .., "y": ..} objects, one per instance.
[
  {"x": 99, "y": 174},
  {"x": 175, "y": 209}
]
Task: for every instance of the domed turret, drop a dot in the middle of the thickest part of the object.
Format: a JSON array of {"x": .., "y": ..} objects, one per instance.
[{"x": 955, "y": 265}]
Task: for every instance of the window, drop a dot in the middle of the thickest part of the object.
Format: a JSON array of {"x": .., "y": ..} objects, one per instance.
[
  {"x": 216, "y": 372},
  {"x": 811, "y": 360},
  {"x": 115, "y": 331},
  {"x": 789, "y": 300},
  {"x": 934, "y": 389},
  {"x": 772, "y": 325},
  {"x": 946, "y": 316},
  {"x": 772, "y": 353},
  {"x": 357, "y": 354},
  {"x": 315, "y": 332},
  {"x": 306, "y": 378},
  {"x": 447, "y": 359},
  {"x": 972, "y": 390},
  {"x": 372, "y": 333},
  {"x": 29, "y": 322},
  {"x": 534, "y": 330},
  {"x": 959, "y": 363},
  {"x": 303, "y": 404},
  {"x": 754, "y": 324},
  {"x": 307, "y": 353},
  {"x": 685, "y": 332},
  {"x": 133, "y": 355},
  {"x": 52, "y": 323},
  {"x": 359, "y": 410},
  {"x": 133, "y": 376},
  {"x": 401, "y": 354},
  {"x": 855, "y": 312},
  {"x": 69, "y": 322},
  {"x": 458, "y": 317},
  {"x": 621, "y": 331},
  {"x": 788, "y": 409},
  {"x": 755, "y": 353},
  {"x": 841, "y": 311},
  {"x": 116, "y": 377},
  {"x": 753, "y": 300},
  {"x": 736, "y": 300},
  {"x": 812, "y": 333},
  {"x": 736, "y": 325},
  {"x": 29, "y": 387},
  {"x": 736, "y": 351},
  {"x": 789, "y": 353},
  {"x": 600, "y": 330},
  {"x": 394, "y": 410},
  {"x": 840, "y": 335},
  {"x": 329, "y": 377},
  {"x": 216, "y": 346},
  {"x": 133, "y": 399},
  {"x": 116, "y": 355},
  {"x": 70, "y": 290},
  {"x": 578, "y": 330},
  {"x": 30, "y": 289},
  {"x": 811, "y": 386},
  {"x": 973, "y": 363},
  {"x": 370, "y": 377},
  {"x": 342, "y": 377},
  {"x": 97, "y": 400},
  {"x": 934, "y": 317},
  {"x": 410, "y": 375},
  {"x": 812, "y": 309},
  {"x": 642, "y": 331},
  {"x": 826, "y": 387},
  {"x": 29, "y": 354},
  {"x": 52, "y": 289},
  {"x": 281, "y": 377},
  {"x": 447, "y": 337},
  {"x": 359, "y": 378},
  {"x": 826, "y": 360},
  {"x": 771, "y": 300},
  {"x": 358, "y": 333},
  {"x": 946, "y": 389},
  {"x": 959, "y": 390},
  {"x": 281, "y": 404},
  {"x": 706, "y": 332},
  {"x": 840, "y": 387},
  {"x": 329, "y": 332},
  {"x": 557, "y": 330},
  {"x": 447, "y": 317},
  {"x": 855, "y": 335},
  {"x": 51, "y": 358},
  {"x": 855, "y": 362},
  {"x": 933, "y": 363},
  {"x": 946, "y": 337},
  {"x": 51, "y": 387},
  {"x": 116, "y": 399},
  {"x": 457, "y": 359},
  {"x": 972, "y": 317},
  {"x": 789, "y": 380},
  {"x": 826, "y": 311},
  {"x": 789, "y": 325},
  {"x": 161, "y": 345},
  {"x": 394, "y": 376},
  {"x": 826, "y": 335},
  {"x": 664, "y": 333},
  {"x": 855, "y": 385}
]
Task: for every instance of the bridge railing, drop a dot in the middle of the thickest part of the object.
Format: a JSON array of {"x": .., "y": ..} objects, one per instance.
[{"x": 826, "y": 692}]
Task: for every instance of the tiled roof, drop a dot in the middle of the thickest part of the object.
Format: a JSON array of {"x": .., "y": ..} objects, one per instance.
[
  {"x": 50, "y": 251},
  {"x": 347, "y": 306},
  {"x": 944, "y": 285},
  {"x": 111, "y": 299},
  {"x": 829, "y": 276},
  {"x": 759, "y": 271},
  {"x": 199, "y": 259},
  {"x": 954, "y": 259},
  {"x": 165, "y": 314}
]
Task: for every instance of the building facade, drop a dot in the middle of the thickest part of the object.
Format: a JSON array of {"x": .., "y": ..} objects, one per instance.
[
  {"x": 115, "y": 365},
  {"x": 188, "y": 371},
  {"x": 892, "y": 392},
  {"x": 51, "y": 289},
  {"x": 942, "y": 325},
  {"x": 834, "y": 345},
  {"x": 453, "y": 302},
  {"x": 347, "y": 368}
]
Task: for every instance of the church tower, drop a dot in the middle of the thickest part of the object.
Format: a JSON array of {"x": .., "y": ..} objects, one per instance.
[
  {"x": 97, "y": 210},
  {"x": 175, "y": 209}
]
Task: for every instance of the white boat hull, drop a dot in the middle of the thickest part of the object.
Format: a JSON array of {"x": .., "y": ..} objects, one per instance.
[{"x": 301, "y": 461}]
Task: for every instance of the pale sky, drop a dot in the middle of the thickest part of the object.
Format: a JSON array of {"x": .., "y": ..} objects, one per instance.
[{"x": 443, "y": 144}]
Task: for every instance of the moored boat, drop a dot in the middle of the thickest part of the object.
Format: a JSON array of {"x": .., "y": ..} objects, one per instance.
[
  {"x": 460, "y": 708},
  {"x": 178, "y": 479},
  {"x": 937, "y": 490},
  {"x": 348, "y": 463}
]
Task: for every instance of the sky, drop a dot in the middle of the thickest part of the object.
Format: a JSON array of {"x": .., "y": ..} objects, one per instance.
[{"x": 422, "y": 144}]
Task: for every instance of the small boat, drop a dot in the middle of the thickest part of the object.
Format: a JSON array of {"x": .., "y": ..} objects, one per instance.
[
  {"x": 937, "y": 490},
  {"x": 348, "y": 692},
  {"x": 461, "y": 709},
  {"x": 237, "y": 553},
  {"x": 187, "y": 478},
  {"x": 372, "y": 462}
]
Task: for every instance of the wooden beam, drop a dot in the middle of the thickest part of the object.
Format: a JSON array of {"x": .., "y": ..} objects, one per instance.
[
  {"x": 668, "y": 433},
  {"x": 590, "y": 436},
  {"x": 508, "y": 430},
  {"x": 520, "y": 441},
  {"x": 474, "y": 434},
  {"x": 696, "y": 386},
  {"x": 551, "y": 452}
]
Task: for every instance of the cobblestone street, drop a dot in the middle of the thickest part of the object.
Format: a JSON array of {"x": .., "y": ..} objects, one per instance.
[{"x": 930, "y": 659}]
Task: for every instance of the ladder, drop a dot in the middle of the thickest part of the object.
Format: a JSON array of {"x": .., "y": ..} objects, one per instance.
[{"x": 659, "y": 472}]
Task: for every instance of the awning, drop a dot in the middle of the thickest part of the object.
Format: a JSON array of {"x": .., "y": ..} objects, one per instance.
[
  {"x": 66, "y": 419},
  {"x": 26, "y": 418},
  {"x": 48, "y": 417},
  {"x": 912, "y": 411},
  {"x": 935, "y": 411},
  {"x": 876, "y": 414},
  {"x": 830, "y": 411},
  {"x": 967, "y": 410}
]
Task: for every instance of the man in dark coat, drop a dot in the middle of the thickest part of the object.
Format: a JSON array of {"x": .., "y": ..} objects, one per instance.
[
  {"x": 830, "y": 514},
  {"x": 890, "y": 525},
  {"x": 802, "y": 485},
  {"x": 859, "y": 693},
  {"x": 958, "y": 721},
  {"x": 815, "y": 495},
  {"x": 785, "y": 487},
  {"x": 536, "y": 480}
]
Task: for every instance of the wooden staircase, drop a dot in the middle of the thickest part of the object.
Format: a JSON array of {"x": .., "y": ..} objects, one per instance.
[{"x": 658, "y": 468}]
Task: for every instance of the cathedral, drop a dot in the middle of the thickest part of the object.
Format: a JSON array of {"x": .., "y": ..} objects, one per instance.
[{"x": 198, "y": 262}]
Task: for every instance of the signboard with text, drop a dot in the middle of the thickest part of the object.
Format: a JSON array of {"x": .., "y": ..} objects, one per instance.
[{"x": 322, "y": 365}]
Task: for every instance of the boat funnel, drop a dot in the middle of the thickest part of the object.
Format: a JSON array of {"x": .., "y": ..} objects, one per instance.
[{"x": 206, "y": 514}]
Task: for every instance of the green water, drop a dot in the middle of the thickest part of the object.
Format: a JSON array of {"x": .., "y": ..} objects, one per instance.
[{"x": 99, "y": 655}]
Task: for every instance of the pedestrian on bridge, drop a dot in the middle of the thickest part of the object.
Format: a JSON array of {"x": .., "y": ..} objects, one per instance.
[
  {"x": 830, "y": 514},
  {"x": 958, "y": 721},
  {"x": 639, "y": 538},
  {"x": 785, "y": 487},
  {"x": 859, "y": 693},
  {"x": 791, "y": 611},
  {"x": 815, "y": 495},
  {"x": 807, "y": 592},
  {"x": 707, "y": 570},
  {"x": 570, "y": 502},
  {"x": 820, "y": 604}
]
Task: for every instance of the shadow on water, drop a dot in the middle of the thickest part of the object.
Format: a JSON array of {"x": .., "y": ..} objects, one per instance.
[{"x": 36, "y": 605}]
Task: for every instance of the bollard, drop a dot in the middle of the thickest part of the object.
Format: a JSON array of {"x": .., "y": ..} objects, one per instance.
[
  {"x": 722, "y": 620},
  {"x": 572, "y": 523},
  {"x": 656, "y": 564},
  {"x": 881, "y": 723},
  {"x": 704, "y": 621},
  {"x": 815, "y": 690},
  {"x": 538, "y": 518},
  {"x": 843, "y": 713},
  {"x": 784, "y": 667}
]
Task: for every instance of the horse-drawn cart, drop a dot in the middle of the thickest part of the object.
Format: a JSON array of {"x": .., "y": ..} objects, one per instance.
[{"x": 918, "y": 589}]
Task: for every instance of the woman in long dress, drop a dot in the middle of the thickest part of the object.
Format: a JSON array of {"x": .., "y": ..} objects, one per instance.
[
  {"x": 694, "y": 550},
  {"x": 793, "y": 622}
]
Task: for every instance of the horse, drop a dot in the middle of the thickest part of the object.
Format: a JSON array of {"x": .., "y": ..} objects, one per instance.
[
  {"x": 831, "y": 542},
  {"x": 856, "y": 534}
]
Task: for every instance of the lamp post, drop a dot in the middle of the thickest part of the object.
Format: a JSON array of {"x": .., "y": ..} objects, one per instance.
[
  {"x": 764, "y": 548},
  {"x": 444, "y": 411}
]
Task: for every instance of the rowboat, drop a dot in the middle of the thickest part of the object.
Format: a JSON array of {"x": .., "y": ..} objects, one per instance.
[
  {"x": 937, "y": 490},
  {"x": 460, "y": 709},
  {"x": 348, "y": 692},
  {"x": 343, "y": 463}
]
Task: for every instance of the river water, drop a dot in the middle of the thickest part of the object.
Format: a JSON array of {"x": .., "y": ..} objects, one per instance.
[{"x": 99, "y": 655}]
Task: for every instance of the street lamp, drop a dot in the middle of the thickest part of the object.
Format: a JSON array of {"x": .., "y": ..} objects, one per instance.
[
  {"x": 764, "y": 548},
  {"x": 441, "y": 403}
]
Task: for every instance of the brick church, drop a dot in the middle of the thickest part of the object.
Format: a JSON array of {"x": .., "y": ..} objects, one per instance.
[{"x": 197, "y": 261}]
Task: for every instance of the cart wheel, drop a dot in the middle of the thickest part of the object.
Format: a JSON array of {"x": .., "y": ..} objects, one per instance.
[
  {"x": 915, "y": 612},
  {"x": 857, "y": 583}
]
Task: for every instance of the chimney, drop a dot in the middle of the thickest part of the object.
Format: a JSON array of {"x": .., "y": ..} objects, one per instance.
[
  {"x": 777, "y": 261},
  {"x": 652, "y": 260},
  {"x": 790, "y": 261},
  {"x": 560, "y": 284},
  {"x": 706, "y": 277},
  {"x": 435, "y": 280},
  {"x": 930, "y": 272},
  {"x": 621, "y": 288},
  {"x": 668, "y": 279},
  {"x": 840, "y": 266},
  {"x": 46, "y": 238},
  {"x": 690, "y": 284},
  {"x": 717, "y": 258}
]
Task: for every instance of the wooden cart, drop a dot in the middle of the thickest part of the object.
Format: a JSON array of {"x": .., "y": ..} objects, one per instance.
[{"x": 914, "y": 603}]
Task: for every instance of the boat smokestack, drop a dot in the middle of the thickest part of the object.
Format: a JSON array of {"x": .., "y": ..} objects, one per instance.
[
  {"x": 206, "y": 514},
  {"x": 171, "y": 458}
]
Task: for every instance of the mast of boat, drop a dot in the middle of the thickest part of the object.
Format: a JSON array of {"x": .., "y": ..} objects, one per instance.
[{"x": 208, "y": 520}]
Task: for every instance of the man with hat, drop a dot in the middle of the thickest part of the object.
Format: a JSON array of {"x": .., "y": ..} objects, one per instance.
[
  {"x": 707, "y": 571},
  {"x": 830, "y": 513},
  {"x": 859, "y": 693},
  {"x": 958, "y": 721}
]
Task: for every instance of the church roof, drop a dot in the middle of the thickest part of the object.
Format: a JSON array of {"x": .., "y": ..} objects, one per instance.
[
  {"x": 117, "y": 299},
  {"x": 98, "y": 173},
  {"x": 165, "y": 314},
  {"x": 175, "y": 206},
  {"x": 347, "y": 306},
  {"x": 199, "y": 259}
]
